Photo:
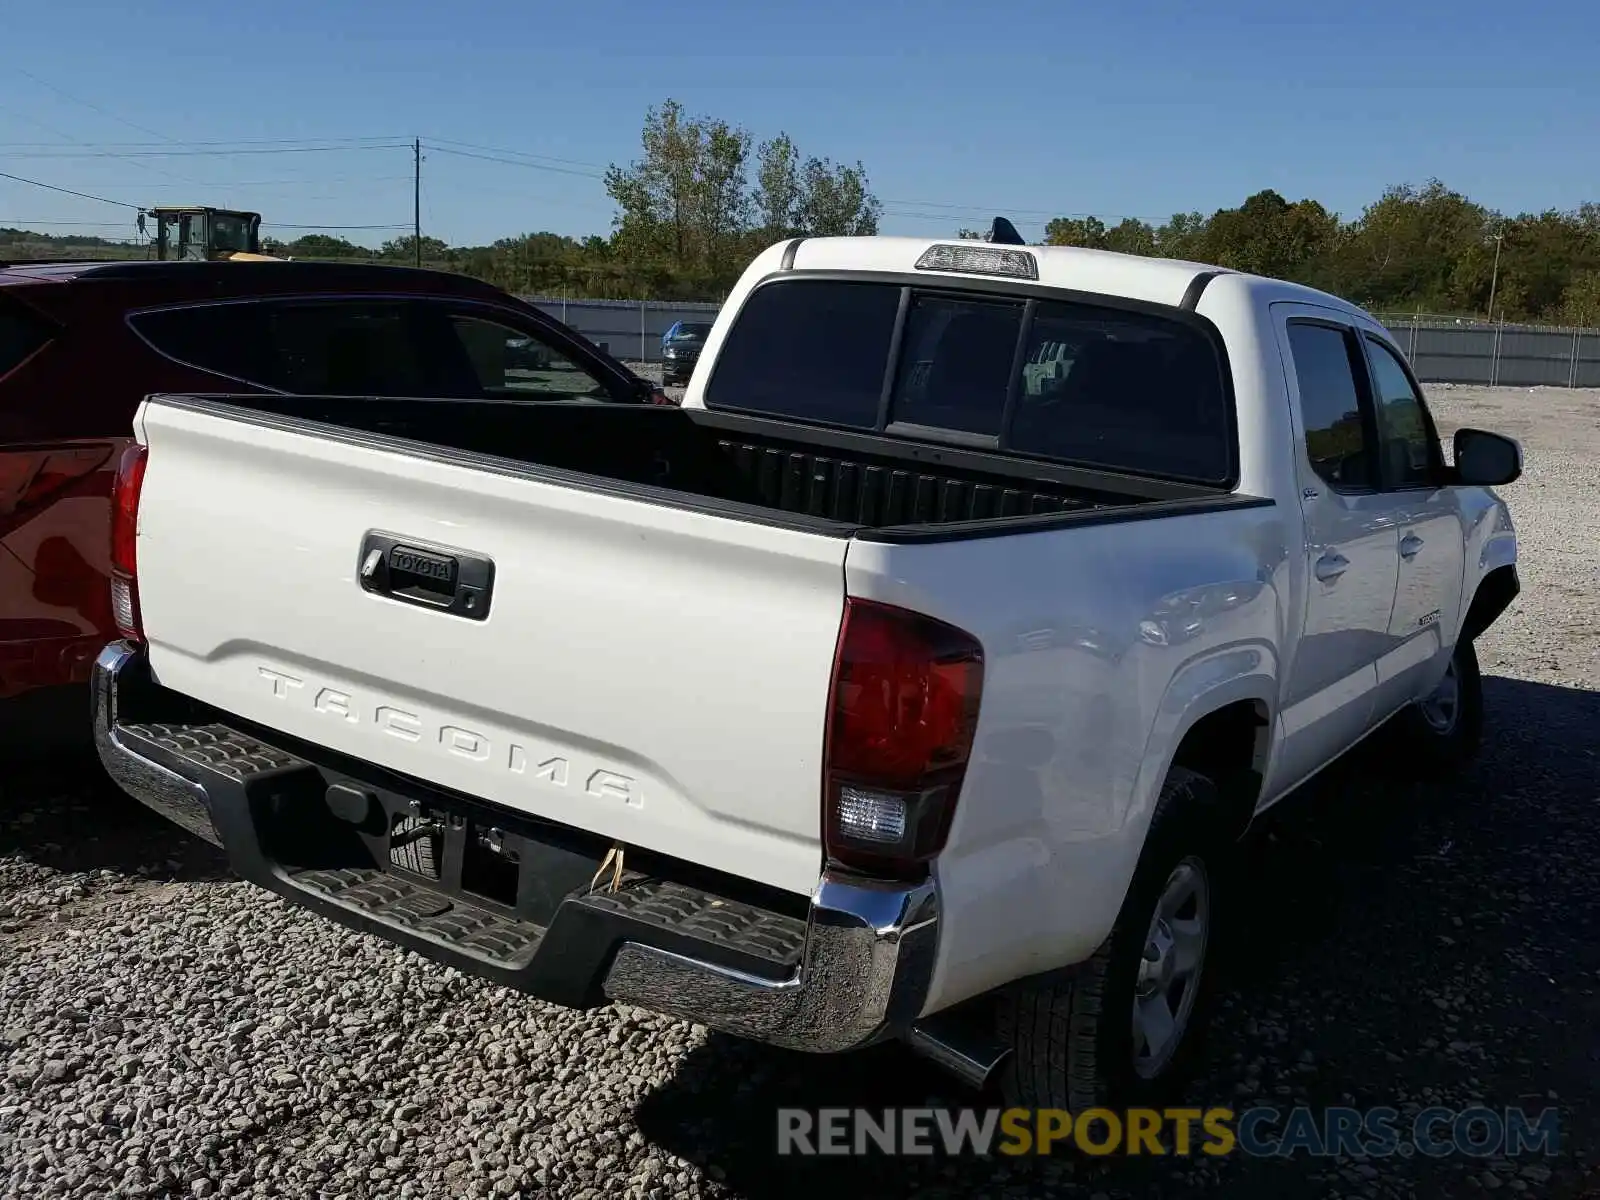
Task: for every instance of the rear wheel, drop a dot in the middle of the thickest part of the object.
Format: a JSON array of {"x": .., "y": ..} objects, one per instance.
[{"x": 1125, "y": 1027}]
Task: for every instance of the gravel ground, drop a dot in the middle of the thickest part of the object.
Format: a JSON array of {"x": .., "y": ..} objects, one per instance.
[{"x": 165, "y": 1031}]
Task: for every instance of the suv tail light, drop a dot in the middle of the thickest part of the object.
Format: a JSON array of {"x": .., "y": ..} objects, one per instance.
[
  {"x": 125, "y": 542},
  {"x": 904, "y": 709}
]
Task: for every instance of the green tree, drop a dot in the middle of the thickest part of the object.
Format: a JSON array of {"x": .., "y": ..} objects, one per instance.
[
  {"x": 686, "y": 201},
  {"x": 836, "y": 201},
  {"x": 1580, "y": 302},
  {"x": 321, "y": 245},
  {"x": 1089, "y": 232},
  {"x": 779, "y": 194},
  {"x": 1131, "y": 236},
  {"x": 689, "y": 207},
  {"x": 404, "y": 248}
]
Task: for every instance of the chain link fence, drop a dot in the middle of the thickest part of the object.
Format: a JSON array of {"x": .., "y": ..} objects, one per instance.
[{"x": 1461, "y": 350}]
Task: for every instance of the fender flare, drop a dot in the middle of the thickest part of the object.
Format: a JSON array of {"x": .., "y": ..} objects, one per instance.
[{"x": 1495, "y": 592}]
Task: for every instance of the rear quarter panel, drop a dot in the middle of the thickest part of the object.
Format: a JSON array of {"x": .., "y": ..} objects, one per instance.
[{"x": 1103, "y": 644}]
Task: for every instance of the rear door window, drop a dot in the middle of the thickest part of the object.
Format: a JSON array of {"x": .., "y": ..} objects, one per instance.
[
  {"x": 308, "y": 347},
  {"x": 809, "y": 350}
]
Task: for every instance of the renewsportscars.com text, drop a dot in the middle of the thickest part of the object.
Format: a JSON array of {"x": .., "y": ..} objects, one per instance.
[{"x": 1257, "y": 1132}]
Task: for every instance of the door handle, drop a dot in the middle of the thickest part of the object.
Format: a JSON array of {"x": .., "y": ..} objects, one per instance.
[
  {"x": 1409, "y": 545},
  {"x": 1330, "y": 566},
  {"x": 420, "y": 573}
]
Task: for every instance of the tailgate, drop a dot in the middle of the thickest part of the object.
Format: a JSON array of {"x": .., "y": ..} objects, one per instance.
[{"x": 644, "y": 672}]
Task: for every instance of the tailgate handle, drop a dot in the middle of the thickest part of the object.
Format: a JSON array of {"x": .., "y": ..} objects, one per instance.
[{"x": 428, "y": 575}]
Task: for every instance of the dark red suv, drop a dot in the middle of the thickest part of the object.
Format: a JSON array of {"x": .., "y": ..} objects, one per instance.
[{"x": 81, "y": 344}]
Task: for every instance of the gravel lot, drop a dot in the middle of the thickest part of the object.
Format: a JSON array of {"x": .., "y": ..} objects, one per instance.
[{"x": 165, "y": 1031}]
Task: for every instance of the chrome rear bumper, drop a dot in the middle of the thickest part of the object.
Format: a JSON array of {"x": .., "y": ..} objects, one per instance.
[{"x": 851, "y": 969}]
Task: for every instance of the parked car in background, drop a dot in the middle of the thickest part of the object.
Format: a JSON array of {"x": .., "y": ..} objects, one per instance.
[
  {"x": 680, "y": 350},
  {"x": 81, "y": 344}
]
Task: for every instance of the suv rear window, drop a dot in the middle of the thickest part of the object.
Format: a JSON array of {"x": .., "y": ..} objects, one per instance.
[
  {"x": 1103, "y": 386},
  {"x": 21, "y": 334}
]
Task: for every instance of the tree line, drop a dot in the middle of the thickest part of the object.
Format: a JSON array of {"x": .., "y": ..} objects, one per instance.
[
  {"x": 704, "y": 196},
  {"x": 1426, "y": 249}
]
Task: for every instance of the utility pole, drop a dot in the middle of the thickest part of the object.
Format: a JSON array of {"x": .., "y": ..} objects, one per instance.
[
  {"x": 1494, "y": 279},
  {"x": 416, "y": 198}
]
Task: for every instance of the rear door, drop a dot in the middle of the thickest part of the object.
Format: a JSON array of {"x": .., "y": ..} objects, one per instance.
[
  {"x": 651, "y": 674},
  {"x": 1351, "y": 544}
]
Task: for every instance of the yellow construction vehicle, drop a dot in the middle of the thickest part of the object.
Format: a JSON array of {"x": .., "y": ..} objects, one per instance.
[{"x": 201, "y": 234}]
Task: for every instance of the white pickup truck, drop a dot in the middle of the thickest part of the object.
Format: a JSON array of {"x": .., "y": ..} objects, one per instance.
[{"x": 911, "y": 680}]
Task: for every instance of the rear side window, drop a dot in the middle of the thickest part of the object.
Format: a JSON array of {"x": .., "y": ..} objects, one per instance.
[
  {"x": 22, "y": 333},
  {"x": 312, "y": 347},
  {"x": 1336, "y": 440},
  {"x": 307, "y": 347},
  {"x": 808, "y": 350},
  {"x": 1075, "y": 382}
]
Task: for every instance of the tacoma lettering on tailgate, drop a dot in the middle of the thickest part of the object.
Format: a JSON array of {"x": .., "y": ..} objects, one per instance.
[{"x": 551, "y": 769}]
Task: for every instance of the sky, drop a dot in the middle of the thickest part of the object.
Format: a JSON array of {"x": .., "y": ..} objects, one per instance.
[{"x": 304, "y": 110}]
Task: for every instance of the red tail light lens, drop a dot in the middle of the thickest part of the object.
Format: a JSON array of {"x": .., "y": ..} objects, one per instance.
[
  {"x": 906, "y": 690},
  {"x": 125, "y": 541}
]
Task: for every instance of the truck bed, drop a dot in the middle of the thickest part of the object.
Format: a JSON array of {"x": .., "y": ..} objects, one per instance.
[
  {"x": 622, "y": 619},
  {"x": 810, "y": 475}
]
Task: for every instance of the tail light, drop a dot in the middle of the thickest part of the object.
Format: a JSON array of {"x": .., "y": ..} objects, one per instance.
[
  {"x": 904, "y": 709},
  {"x": 125, "y": 542},
  {"x": 660, "y": 398}
]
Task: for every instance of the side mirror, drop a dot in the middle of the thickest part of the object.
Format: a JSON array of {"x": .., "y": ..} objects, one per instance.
[{"x": 1486, "y": 459}]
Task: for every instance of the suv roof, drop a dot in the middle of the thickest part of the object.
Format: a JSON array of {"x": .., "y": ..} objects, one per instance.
[{"x": 248, "y": 278}]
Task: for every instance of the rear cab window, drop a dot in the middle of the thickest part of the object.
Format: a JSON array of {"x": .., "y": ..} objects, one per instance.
[{"x": 1118, "y": 388}]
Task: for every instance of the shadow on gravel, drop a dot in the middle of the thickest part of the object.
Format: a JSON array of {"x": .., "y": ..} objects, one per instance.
[
  {"x": 64, "y": 813},
  {"x": 1397, "y": 943}
]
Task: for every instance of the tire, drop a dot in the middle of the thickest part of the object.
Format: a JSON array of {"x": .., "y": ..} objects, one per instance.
[
  {"x": 1442, "y": 732},
  {"x": 1072, "y": 1038}
]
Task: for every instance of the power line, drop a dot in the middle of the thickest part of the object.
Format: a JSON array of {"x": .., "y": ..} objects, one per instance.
[
  {"x": 199, "y": 143},
  {"x": 69, "y": 192},
  {"x": 572, "y": 162},
  {"x": 87, "y": 104},
  {"x": 20, "y": 222},
  {"x": 67, "y": 137},
  {"x": 348, "y": 228},
  {"x": 178, "y": 153},
  {"x": 514, "y": 162}
]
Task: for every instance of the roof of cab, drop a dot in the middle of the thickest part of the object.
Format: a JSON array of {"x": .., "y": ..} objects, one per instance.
[{"x": 1154, "y": 280}]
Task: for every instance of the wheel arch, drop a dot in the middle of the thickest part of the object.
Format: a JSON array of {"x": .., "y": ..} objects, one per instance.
[
  {"x": 1215, "y": 719},
  {"x": 1495, "y": 593}
]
